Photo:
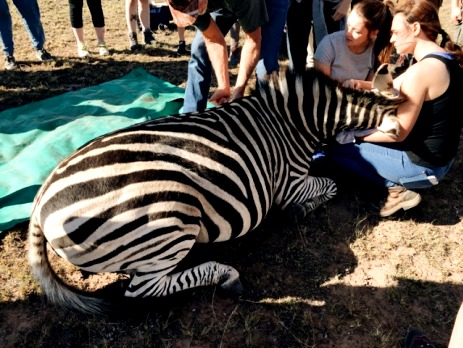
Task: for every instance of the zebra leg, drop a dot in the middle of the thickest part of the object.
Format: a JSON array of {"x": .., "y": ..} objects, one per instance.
[
  {"x": 323, "y": 189},
  {"x": 144, "y": 284}
]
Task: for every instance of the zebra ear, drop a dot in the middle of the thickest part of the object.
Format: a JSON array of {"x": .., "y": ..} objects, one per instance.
[{"x": 383, "y": 83}]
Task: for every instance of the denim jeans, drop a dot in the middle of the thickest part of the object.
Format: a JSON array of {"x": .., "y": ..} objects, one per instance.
[
  {"x": 383, "y": 166},
  {"x": 272, "y": 34},
  {"x": 200, "y": 68},
  {"x": 30, "y": 14}
]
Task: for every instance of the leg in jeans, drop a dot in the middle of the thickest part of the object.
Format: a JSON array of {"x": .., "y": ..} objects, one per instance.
[
  {"x": 298, "y": 25},
  {"x": 30, "y": 13},
  {"x": 332, "y": 25},
  {"x": 383, "y": 166},
  {"x": 272, "y": 33},
  {"x": 6, "y": 29},
  {"x": 200, "y": 67}
]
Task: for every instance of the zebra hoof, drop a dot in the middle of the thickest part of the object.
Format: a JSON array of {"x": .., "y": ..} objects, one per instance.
[
  {"x": 233, "y": 284},
  {"x": 296, "y": 213}
]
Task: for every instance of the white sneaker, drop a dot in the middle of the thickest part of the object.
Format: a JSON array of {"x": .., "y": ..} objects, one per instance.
[
  {"x": 82, "y": 50},
  {"x": 103, "y": 49}
]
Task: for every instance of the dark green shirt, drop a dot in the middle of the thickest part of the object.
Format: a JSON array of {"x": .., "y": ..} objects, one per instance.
[{"x": 251, "y": 14}]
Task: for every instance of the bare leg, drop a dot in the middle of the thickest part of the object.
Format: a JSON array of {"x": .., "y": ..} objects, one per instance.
[
  {"x": 82, "y": 50},
  {"x": 131, "y": 8}
]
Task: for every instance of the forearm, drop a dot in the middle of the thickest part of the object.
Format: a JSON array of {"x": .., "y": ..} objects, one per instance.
[
  {"x": 217, "y": 51},
  {"x": 250, "y": 54}
]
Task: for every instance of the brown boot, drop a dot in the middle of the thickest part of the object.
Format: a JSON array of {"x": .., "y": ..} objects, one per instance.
[{"x": 399, "y": 198}]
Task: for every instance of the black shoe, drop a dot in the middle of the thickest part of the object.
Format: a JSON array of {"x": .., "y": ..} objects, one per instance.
[
  {"x": 417, "y": 339},
  {"x": 181, "y": 50},
  {"x": 10, "y": 63},
  {"x": 133, "y": 42},
  {"x": 43, "y": 55},
  {"x": 148, "y": 37}
]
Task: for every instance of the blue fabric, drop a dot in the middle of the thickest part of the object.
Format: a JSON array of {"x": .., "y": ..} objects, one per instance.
[
  {"x": 272, "y": 33},
  {"x": 383, "y": 166},
  {"x": 34, "y": 138},
  {"x": 30, "y": 15}
]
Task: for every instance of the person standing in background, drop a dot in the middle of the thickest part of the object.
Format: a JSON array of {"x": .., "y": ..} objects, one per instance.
[
  {"x": 456, "y": 7},
  {"x": 234, "y": 56},
  {"x": 30, "y": 14},
  {"x": 96, "y": 11},
  {"x": 134, "y": 10},
  {"x": 324, "y": 17}
]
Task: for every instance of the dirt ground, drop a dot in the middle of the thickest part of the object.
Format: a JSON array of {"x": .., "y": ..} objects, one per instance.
[{"x": 341, "y": 278}]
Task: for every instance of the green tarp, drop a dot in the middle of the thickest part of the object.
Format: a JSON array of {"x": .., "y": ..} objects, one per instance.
[{"x": 34, "y": 138}]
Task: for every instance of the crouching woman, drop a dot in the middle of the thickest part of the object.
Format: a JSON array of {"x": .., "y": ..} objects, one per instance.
[{"x": 430, "y": 127}]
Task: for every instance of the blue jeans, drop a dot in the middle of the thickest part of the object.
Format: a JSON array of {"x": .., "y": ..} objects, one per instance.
[
  {"x": 383, "y": 166},
  {"x": 200, "y": 68},
  {"x": 30, "y": 14}
]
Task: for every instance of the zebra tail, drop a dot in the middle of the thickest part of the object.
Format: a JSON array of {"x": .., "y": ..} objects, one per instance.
[{"x": 55, "y": 289}]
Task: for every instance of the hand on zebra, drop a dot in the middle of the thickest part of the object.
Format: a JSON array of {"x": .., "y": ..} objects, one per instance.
[{"x": 220, "y": 97}]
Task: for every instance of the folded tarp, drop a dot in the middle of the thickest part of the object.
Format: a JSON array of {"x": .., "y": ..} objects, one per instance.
[{"x": 34, "y": 138}]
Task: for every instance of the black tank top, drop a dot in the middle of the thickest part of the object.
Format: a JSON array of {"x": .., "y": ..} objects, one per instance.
[{"x": 433, "y": 141}]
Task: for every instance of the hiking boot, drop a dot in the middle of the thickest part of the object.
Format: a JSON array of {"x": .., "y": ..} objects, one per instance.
[
  {"x": 10, "y": 63},
  {"x": 148, "y": 37},
  {"x": 43, "y": 55},
  {"x": 235, "y": 57},
  {"x": 82, "y": 50},
  {"x": 103, "y": 49},
  {"x": 133, "y": 42},
  {"x": 399, "y": 198},
  {"x": 181, "y": 50}
]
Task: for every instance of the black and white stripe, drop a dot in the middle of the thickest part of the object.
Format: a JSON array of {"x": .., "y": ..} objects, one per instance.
[{"x": 136, "y": 200}]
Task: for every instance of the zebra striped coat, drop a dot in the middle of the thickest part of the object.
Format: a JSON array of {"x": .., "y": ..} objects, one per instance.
[{"x": 138, "y": 199}]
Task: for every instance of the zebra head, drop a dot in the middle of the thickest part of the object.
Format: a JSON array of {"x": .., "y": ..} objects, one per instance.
[{"x": 320, "y": 107}]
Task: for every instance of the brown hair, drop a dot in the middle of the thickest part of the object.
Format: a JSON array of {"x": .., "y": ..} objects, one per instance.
[
  {"x": 377, "y": 15},
  {"x": 426, "y": 13}
]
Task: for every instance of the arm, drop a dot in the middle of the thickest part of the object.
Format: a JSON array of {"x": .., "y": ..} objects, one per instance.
[
  {"x": 217, "y": 51},
  {"x": 322, "y": 67},
  {"x": 408, "y": 112},
  {"x": 341, "y": 10},
  {"x": 249, "y": 57}
]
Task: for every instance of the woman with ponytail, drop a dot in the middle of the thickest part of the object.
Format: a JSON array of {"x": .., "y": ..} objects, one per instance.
[
  {"x": 357, "y": 51},
  {"x": 430, "y": 125}
]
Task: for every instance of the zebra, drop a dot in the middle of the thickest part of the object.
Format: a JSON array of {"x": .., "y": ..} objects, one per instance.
[{"x": 136, "y": 200}]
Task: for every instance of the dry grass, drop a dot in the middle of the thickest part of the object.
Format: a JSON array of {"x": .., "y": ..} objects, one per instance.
[{"x": 342, "y": 278}]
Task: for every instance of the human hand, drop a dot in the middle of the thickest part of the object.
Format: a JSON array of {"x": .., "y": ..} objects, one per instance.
[
  {"x": 351, "y": 83},
  {"x": 341, "y": 10},
  {"x": 220, "y": 97},
  {"x": 238, "y": 92}
]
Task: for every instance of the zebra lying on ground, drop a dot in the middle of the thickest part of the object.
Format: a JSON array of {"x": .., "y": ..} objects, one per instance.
[{"x": 138, "y": 199}]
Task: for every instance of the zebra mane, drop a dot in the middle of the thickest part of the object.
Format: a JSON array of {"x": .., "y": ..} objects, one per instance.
[{"x": 290, "y": 80}]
